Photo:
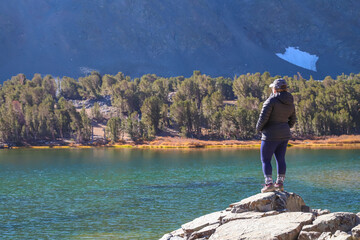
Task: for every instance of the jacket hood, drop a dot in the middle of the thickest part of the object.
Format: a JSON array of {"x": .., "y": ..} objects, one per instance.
[{"x": 284, "y": 97}]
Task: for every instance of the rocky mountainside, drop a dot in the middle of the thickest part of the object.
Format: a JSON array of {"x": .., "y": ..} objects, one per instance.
[
  {"x": 273, "y": 215},
  {"x": 175, "y": 37}
]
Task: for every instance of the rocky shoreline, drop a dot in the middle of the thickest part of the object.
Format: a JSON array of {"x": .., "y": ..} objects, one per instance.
[{"x": 273, "y": 215}]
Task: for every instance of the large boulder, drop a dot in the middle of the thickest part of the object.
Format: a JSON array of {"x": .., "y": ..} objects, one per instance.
[
  {"x": 264, "y": 202},
  {"x": 178, "y": 232},
  {"x": 355, "y": 232},
  {"x": 168, "y": 236},
  {"x": 282, "y": 226},
  {"x": 273, "y": 215},
  {"x": 338, "y": 235},
  {"x": 319, "y": 212},
  {"x": 343, "y": 221},
  {"x": 311, "y": 235},
  {"x": 201, "y": 222},
  {"x": 205, "y": 232},
  {"x": 174, "y": 235},
  {"x": 230, "y": 216}
]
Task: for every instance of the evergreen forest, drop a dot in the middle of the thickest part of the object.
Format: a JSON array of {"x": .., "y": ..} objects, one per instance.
[{"x": 40, "y": 109}]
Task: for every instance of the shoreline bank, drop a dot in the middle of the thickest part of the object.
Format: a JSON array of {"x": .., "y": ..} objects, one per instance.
[{"x": 336, "y": 142}]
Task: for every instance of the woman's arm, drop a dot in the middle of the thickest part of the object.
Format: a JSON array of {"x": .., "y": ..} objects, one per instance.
[
  {"x": 292, "y": 119},
  {"x": 264, "y": 115}
]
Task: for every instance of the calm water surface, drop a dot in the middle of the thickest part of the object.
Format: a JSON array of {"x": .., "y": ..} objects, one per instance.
[{"x": 142, "y": 194}]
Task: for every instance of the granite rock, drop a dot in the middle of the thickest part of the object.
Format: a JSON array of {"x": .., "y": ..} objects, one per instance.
[
  {"x": 168, "y": 236},
  {"x": 332, "y": 222},
  {"x": 174, "y": 235},
  {"x": 355, "y": 232},
  {"x": 271, "y": 201},
  {"x": 244, "y": 215},
  {"x": 319, "y": 212},
  {"x": 202, "y": 222},
  {"x": 176, "y": 238},
  {"x": 205, "y": 232},
  {"x": 179, "y": 232},
  {"x": 324, "y": 236},
  {"x": 282, "y": 226},
  {"x": 273, "y": 215},
  {"x": 311, "y": 235},
  {"x": 340, "y": 235}
]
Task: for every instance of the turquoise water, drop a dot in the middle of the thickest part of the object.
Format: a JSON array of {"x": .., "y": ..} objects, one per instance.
[{"x": 142, "y": 194}]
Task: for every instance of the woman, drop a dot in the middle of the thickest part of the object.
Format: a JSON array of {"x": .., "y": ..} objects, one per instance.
[{"x": 276, "y": 118}]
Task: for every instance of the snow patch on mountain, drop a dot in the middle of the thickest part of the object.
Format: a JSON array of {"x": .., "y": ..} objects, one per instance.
[{"x": 299, "y": 58}]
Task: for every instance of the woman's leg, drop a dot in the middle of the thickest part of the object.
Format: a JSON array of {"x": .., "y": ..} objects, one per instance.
[
  {"x": 266, "y": 151},
  {"x": 280, "y": 152}
]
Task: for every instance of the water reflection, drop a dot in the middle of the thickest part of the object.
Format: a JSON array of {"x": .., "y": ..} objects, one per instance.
[{"x": 65, "y": 193}]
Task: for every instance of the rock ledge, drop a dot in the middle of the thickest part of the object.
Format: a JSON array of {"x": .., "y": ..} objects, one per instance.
[{"x": 273, "y": 215}]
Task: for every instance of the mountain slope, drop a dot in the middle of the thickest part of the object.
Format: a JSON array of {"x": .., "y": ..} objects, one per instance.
[{"x": 176, "y": 37}]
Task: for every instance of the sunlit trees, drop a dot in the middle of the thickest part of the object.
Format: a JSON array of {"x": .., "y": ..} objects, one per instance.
[
  {"x": 150, "y": 112},
  {"x": 134, "y": 127},
  {"x": 108, "y": 82},
  {"x": 86, "y": 129},
  {"x": 114, "y": 128},
  {"x": 198, "y": 106},
  {"x": 211, "y": 108},
  {"x": 95, "y": 112},
  {"x": 49, "y": 85},
  {"x": 69, "y": 88},
  {"x": 90, "y": 86}
]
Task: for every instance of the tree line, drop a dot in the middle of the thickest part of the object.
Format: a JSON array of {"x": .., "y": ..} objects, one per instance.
[{"x": 38, "y": 109}]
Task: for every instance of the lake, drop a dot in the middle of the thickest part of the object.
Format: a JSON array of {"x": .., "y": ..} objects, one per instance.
[{"x": 142, "y": 194}]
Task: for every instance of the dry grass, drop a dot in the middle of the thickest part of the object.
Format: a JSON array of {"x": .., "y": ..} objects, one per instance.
[
  {"x": 339, "y": 142},
  {"x": 168, "y": 142},
  {"x": 343, "y": 141},
  {"x": 121, "y": 146},
  {"x": 61, "y": 147}
]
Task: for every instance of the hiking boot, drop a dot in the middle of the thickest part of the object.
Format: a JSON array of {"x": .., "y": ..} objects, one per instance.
[
  {"x": 268, "y": 188},
  {"x": 279, "y": 187}
]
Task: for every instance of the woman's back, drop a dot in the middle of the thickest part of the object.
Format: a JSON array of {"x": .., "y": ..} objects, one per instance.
[{"x": 277, "y": 117}]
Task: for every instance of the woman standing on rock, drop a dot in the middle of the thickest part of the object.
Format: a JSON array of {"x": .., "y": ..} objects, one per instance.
[{"x": 276, "y": 118}]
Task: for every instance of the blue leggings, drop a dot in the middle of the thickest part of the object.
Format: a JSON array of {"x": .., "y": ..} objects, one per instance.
[{"x": 267, "y": 150}]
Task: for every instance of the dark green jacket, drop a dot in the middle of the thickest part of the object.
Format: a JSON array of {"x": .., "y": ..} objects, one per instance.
[{"x": 277, "y": 117}]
